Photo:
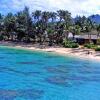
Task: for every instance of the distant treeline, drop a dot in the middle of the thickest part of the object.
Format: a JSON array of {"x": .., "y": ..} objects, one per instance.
[{"x": 42, "y": 26}]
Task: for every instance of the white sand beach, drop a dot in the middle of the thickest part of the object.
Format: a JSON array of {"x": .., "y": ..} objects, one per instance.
[{"x": 75, "y": 52}]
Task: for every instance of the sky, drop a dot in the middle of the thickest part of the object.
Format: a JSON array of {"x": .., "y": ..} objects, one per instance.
[{"x": 76, "y": 7}]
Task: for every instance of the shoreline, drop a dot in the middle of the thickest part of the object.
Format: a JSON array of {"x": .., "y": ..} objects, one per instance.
[{"x": 73, "y": 52}]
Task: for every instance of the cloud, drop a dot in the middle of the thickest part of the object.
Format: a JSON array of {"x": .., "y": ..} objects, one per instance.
[{"x": 76, "y": 7}]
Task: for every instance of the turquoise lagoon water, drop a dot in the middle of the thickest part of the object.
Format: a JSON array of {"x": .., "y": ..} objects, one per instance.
[{"x": 27, "y": 75}]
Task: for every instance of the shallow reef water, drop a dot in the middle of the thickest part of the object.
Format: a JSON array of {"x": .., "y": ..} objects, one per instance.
[{"x": 35, "y": 75}]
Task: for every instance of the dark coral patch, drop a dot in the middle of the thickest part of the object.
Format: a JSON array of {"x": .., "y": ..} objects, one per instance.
[
  {"x": 61, "y": 70},
  {"x": 78, "y": 78},
  {"x": 8, "y": 94},
  {"x": 27, "y": 63},
  {"x": 32, "y": 73},
  {"x": 85, "y": 79},
  {"x": 30, "y": 63},
  {"x": 2, "y": 57},
  {"x": 31, "y": 94},
  {"x": 57, "y": 80},
  {"x": 25, "y": 94},
  {"x": 89, "y": 72},
  {"x": 51, "y": 56},
  {"x": 25, "y": 73},
  {"x": 3, "y": 69}
]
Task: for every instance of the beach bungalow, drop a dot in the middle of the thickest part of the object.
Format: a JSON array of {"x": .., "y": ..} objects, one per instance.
[{"x": 85, "y": 38}]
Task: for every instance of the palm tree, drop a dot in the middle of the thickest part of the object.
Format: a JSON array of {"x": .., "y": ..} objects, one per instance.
[
  {"x": 37, "y": 15},
  {"x": 1, "y": 22},
  {"x": 98, "y": 30},
  {"x": 89, "y": 28},
  {"x": 10, "y": 24},
  {"x": 86, "y": 25},
  {"x": 28, "y": 23},
  {"x": 76, "y": 30},
  {"x": 20, "y": 25},
  {"x": 24, "y": 24},
  {"x": 45, "y": 17},
  {"x": 1, "y": 26},
  {"x": 67, "y": 18},
  {"x": 53, "y": 16},
  {"x": 60, "y": 14},
  {"x": 82, "y": 22}
]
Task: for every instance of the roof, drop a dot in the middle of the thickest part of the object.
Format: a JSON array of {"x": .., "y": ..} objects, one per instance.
[
  {"x": 94, "y": 37},
  {"x": 70, "y": 35}
]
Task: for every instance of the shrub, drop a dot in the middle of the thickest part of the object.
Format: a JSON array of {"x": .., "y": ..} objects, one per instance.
[
  {"x": 70, "y": 44},
  {"x": 98, "y": 41},
  {"x": 50, "y": 31},
  {"x": 90, "y": 46},
  {"x": 75, "y": 45},
  {"x": 1, "y": 37},
  {"x": 97, "y": 49}
]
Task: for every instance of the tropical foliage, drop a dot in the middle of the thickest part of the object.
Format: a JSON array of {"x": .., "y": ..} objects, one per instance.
[
  {"x": 70, "y": 44},
  {"x": 90, "y": 46},
  {"x": 97, "y": 49},
  {"x": 43, "y": 26}
]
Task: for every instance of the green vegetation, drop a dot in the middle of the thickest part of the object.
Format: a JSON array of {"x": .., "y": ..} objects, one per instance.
[
  {"x": 1, "y": 37},
  {"x": 90, "y": 46},
  {"x": 98, "y": 41},
  {"x": 97, "y": 49},
  {"x": 70, "y": 44},
  {"x": 44, "y": 27}
]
